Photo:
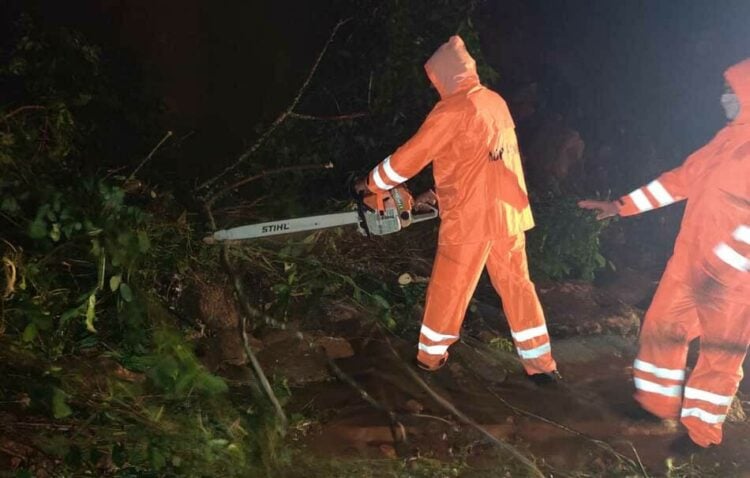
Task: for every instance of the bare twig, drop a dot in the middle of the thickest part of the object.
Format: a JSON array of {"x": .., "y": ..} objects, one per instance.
[
  {"x": 328, "y": 118},
  {"x": 12, "y": 453},
  {"x": 238, "y": 208},
  {"x": 9, "y": 268},
  {"x": 210, "y": 201},
  {"x": 369, "y": 90},
  {"x": 640, "y": 463},
  {"x": 283, "y": 116},
  {"x": 247, "y": 311},
  {"x": 433, "y": 417},
  {"x": 21, "y": 109},
  {"x": 10, "y": 220},
  {"x": 147, "y": 158}
]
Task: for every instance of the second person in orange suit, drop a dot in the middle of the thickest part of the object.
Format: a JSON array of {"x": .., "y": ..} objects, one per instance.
[
  {"x": 705, "y": 290},
  {"x": 469, "y": 137}
]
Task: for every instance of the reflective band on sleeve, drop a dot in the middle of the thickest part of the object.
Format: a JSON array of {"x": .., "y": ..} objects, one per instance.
[
  {"x": 669, "y": 391},
  {"x": 668, "y": 373},
  {"x": 703, "y": 415},
  {"x": 697, "y": 394},
  {"x": 435, "y": 336},
  {"x": 732, "y": 257},
  {"x": 742, "y": 234},
  {"x": 378, "y": 180},
  {"x": 528, "y": 334},
  {"x": 391, "y": 173},
  {"x": 660, "y": 193},
  {"x": 433, "y": 349},
  {"x": 534, "y": 353},
  {"x": 641, "y": 201}
]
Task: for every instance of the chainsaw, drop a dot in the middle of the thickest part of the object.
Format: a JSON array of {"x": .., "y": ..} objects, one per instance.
[{"x": 377, "y": 214}]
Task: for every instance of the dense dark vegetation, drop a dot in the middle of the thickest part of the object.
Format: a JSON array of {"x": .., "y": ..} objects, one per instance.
[{"x": 97, "y": 350}]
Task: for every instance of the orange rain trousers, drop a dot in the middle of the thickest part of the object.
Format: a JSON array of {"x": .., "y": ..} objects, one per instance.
[
  {"x": 678, "y": 315},
  {"x": 455, "y": 274}
]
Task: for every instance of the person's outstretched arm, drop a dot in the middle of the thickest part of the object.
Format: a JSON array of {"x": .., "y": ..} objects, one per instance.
[
  {"x": 439, "y": 128},
  {"x": 670, "y": 187}
]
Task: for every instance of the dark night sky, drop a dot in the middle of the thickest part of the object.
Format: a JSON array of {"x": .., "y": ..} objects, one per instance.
[
  {"x": 654, "y": 64},
  {"x": 650, "y": 68}
]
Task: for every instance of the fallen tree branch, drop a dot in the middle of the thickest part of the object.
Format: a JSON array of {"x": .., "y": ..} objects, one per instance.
[
  {"x": 283, "y": 116},
  {"x": 238, "y": 208},
  {"x": 147, "y": 158},
  {"x": 210, "y": 201},
  {"x": 21, "y": 109},
  {"x": 327, "y": 118},
  {"x": 248, "y": 310}
]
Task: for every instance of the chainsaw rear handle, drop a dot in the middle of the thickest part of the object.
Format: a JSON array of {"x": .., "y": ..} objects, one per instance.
[
  {"x": 361, "y": 208},
  {"x": 425, "y": 216}
]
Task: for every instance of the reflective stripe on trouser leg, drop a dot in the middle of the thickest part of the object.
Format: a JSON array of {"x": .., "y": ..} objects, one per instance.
[
  {"x": 509, "y": 272},
  {"x": 455, "y": 274},
  {"x": 659, "y": 370},
  {"x": 712, "y": 385},
  {"x": 433, "y": 345}
]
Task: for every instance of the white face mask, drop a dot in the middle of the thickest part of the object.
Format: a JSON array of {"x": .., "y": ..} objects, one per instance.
[{"x": 731, "y": 105}]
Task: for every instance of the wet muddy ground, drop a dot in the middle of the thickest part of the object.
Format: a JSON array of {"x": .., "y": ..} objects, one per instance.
[{"x": 581, "y": 427}]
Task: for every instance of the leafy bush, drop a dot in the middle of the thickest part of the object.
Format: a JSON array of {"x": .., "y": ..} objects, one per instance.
[
  {"x": 565, "y": 242},
  {"x": 297, "y": 277},
  {"x": 80, "y": 325}
]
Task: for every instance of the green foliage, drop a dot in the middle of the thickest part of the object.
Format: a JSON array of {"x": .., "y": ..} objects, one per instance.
[
  {"x": 565, "y": 242},
  {"x": 301, "y": 276},
  {"x": 68, "y": 97},
  {"x": 75, "y": 242},
  {"x": 82, "y": 245},
  {"x": 79, "y": 322},
  {"x": 60, "y": 408},
  {"x": 175, "y": 371},
  {"x": 174, "y": 419},
  {"x": 502, "y": 344}
]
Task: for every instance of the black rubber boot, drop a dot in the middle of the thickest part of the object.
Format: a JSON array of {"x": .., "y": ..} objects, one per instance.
[
  {"x": 426, "y": 368},
  {"x": 546, "y": 379}
]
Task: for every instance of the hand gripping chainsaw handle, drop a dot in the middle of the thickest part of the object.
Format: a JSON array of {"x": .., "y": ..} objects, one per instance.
[{"x": 388, "y": 212}]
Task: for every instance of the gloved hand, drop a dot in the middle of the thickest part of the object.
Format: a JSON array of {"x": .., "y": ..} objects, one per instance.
[
  {"x": 360, "y": 186},
  {"x": 427, "y": 198}
]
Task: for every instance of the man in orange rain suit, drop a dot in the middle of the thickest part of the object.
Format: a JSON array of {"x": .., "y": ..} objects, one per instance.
[
  {"x": 705, "y": 290},
  {"x": 469, "y": 137}
]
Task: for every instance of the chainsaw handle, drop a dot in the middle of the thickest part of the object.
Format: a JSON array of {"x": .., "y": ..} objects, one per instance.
[
  {"x": 359, "y": 198},
  {"x": 425, "y": 216}
]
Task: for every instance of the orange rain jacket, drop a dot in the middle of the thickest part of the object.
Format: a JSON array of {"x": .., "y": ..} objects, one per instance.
[
  {"x": 705, "y": 291},
  {"x": 714, "y": 239},
  {"x": 479, "y": 199}
]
